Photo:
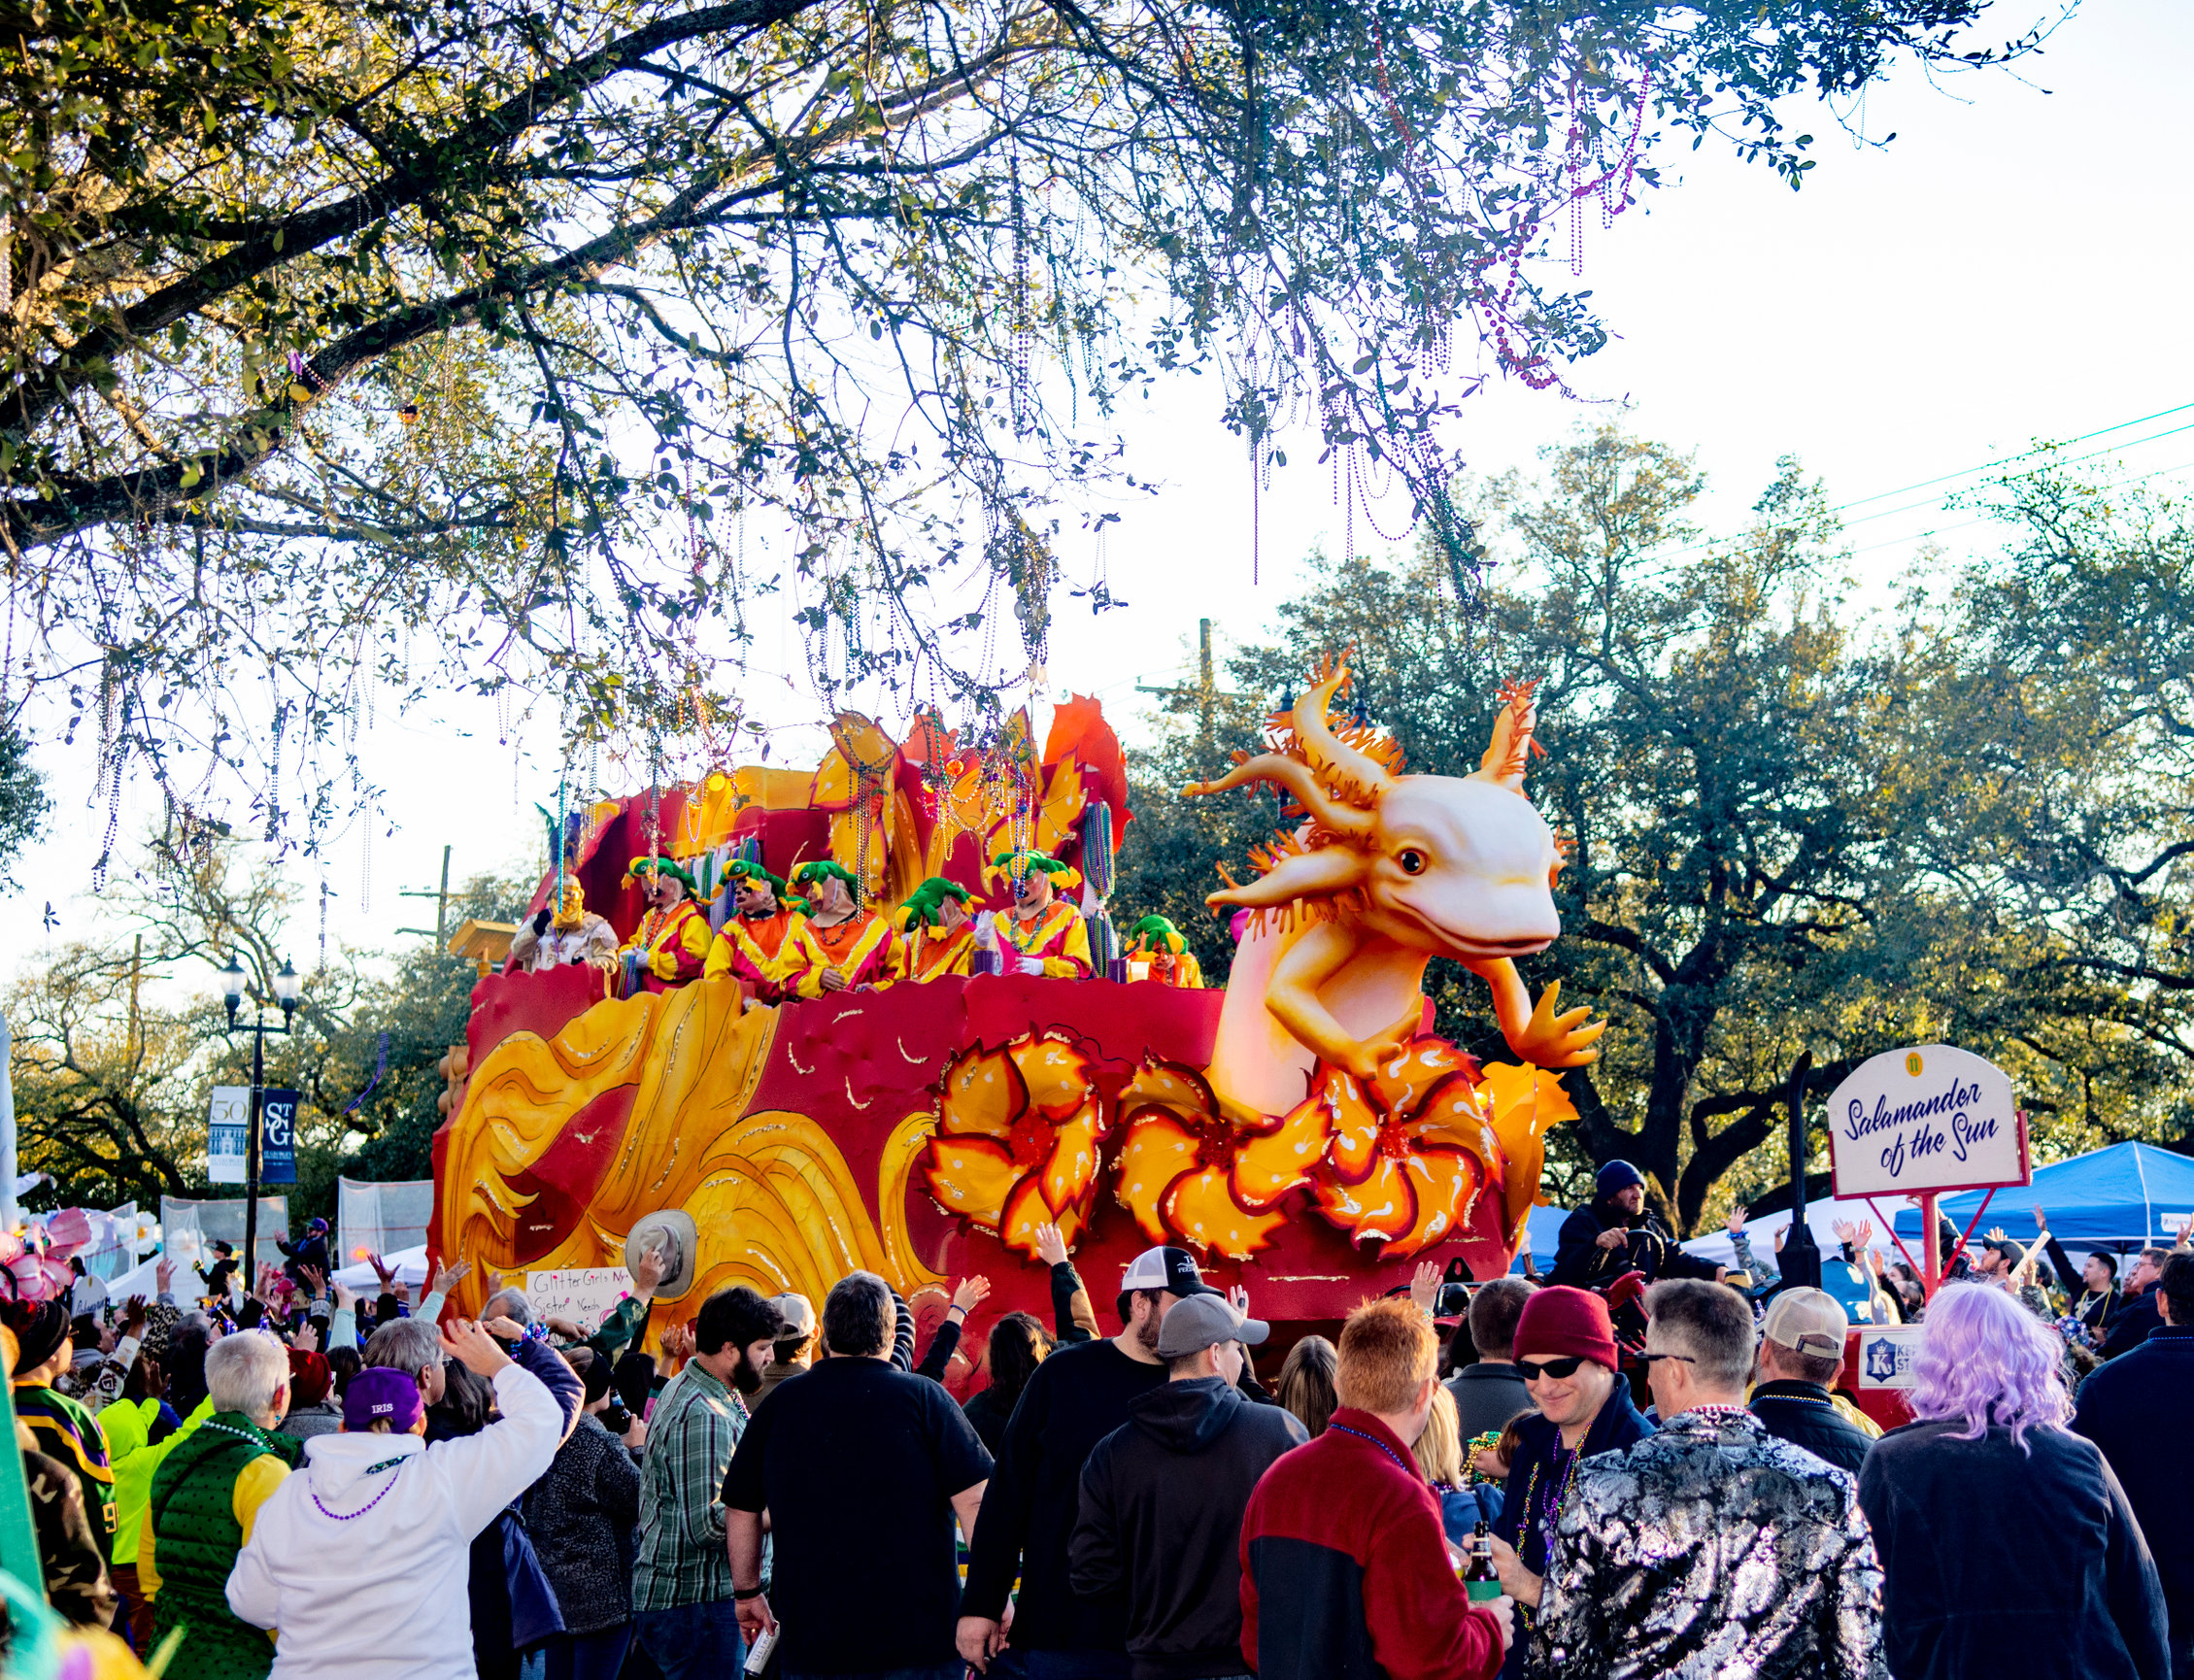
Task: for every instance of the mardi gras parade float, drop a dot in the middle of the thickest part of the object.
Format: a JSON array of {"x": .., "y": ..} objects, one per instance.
[{"x": 795, "y": 1043}]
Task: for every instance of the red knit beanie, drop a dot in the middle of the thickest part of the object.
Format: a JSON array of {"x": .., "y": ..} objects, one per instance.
[{"x": 1558, "y": 1323}]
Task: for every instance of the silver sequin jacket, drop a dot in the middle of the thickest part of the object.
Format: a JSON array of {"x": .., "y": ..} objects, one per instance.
[{"x": 1710, "y": 1550}]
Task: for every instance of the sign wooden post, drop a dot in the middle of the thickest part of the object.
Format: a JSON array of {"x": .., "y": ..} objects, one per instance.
[{"x": 1922, "y": 1121}]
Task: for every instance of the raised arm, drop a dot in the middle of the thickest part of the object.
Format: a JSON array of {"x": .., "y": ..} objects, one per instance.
[
  {"x": 964, "y": 1300},
  {"x": 1069, "y": 1301},
  {"x": 486, "y": 1471}
]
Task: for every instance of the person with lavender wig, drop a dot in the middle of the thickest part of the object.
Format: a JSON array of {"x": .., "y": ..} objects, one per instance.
[{"x": 1960, "y": 1500}]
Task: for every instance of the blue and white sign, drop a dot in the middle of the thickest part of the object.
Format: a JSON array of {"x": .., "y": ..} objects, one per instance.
[
  {"x": 1930, "y": 1118},
  {"x": 1885, "y": 1356},
  {"x": 278, "y": 1137},
  {"x": 228, "y": 1126}
]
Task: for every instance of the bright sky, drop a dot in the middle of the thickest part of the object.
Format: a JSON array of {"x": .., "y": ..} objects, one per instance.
[{"x": 2013, "y": 268}]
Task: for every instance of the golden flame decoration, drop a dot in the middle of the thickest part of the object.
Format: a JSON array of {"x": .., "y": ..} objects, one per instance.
[{"x": 775, "y": 1202}]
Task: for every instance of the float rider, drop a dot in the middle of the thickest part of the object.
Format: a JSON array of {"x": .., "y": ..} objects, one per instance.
[
  {"x": 564, "y": 930},
  {"x": 937, "y": 933},
  {"x": 764, "y": 943},
  {"x": 670, "y": 945},
  {"x": 1041, "y": 934},
  {"x": 850, "y": 946},
  {"x": 1171, "y": 961},
  {"x": 1617, "y": 1234}
]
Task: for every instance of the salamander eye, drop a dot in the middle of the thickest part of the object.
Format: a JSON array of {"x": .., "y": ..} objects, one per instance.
[{"x": 1411, "y": 859}]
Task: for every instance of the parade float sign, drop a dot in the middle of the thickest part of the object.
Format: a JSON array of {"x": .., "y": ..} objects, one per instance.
[
  {"x": 1301, "y": 1130},
  {"x": 1922, "y": 1121},
  {"x": 1927, "y": 1119}
]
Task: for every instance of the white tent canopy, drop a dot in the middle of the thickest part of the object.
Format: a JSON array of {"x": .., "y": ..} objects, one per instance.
[
  {"x": 409, "y": 1264},
  {"x": 1822, "y": 1216}
]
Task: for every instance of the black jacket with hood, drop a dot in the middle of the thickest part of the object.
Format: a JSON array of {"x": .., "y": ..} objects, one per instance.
[
  {"x": 1580, "y": 1262},
  {"x": 1161, "y": 1523}
]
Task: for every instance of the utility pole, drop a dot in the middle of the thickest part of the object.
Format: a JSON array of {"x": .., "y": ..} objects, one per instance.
[
  {"x": 136, "y": 1022},
  {"x": 1207, "y": 690},
  {"x": 441, "y": 929},
  {"x": 1801, "y": 1256}
]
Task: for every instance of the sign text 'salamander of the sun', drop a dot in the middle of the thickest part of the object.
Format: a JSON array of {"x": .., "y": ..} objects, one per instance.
[{"x": 1930, "y": 1118}]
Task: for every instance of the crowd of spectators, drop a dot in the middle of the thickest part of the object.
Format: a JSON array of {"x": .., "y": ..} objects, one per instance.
[{"x": 253, "y": 1481}]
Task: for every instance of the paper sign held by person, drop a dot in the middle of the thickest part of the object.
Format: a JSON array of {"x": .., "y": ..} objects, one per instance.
[{"x": 583, "y": 1295}]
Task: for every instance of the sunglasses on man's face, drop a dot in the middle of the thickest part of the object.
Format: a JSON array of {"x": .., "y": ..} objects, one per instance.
[{"x": 1534, "y": 1369}]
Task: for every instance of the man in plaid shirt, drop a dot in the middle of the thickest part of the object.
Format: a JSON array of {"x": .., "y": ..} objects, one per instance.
[{"x": 682, "y": 1604}]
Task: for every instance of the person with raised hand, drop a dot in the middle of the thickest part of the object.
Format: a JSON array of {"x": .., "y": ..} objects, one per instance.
[
  {"x": 626, "y": 1323},
  {"x": 1073, "y": 1319},
  {"x": 2097, "y": 1298},
  {"x": 971, "y": 1293},
  {"x": 379, "y": 1517},
  {"x": 1073, "y": 1399}
]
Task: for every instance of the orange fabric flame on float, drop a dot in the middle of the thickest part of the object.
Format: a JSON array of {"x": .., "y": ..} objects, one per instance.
[{"x": 1017, "y": 1140}]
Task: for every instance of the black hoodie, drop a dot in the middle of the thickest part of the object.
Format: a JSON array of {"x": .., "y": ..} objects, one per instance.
[{"x": 1162, "y": 1497}]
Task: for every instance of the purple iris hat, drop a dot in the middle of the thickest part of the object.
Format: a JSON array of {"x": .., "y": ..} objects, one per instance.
[{"x": 382, "y": 1394}]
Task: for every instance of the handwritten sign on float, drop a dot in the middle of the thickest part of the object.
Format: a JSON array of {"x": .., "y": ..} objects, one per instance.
[
  {"x": 583, "y": 1295},
  {"x": 1930, "y": 1118}
]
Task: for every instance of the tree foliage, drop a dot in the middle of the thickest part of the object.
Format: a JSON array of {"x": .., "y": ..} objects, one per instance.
[
  {"x": 23, "y": 801},
  {"x": 117, "y": 1046},
  {"x": 1795, "y": 829},
  {"x": 347, "y": 347}
]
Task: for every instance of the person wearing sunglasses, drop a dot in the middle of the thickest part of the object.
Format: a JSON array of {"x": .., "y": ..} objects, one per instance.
[
  {"x": 1711, "y": 1546},
  {"x": 1566, "y": 1354}
]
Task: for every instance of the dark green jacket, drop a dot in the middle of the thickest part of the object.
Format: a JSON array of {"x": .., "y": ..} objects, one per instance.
[{"x": 195, "y": 1536}]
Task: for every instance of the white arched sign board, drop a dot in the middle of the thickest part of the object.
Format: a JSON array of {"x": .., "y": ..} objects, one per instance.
[{"x": 1926, "y": 1119}]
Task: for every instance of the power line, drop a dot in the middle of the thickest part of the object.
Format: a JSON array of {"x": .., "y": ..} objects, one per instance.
[
  {"x": 2073, "y": 461},
  {"x": 2007, "y": 460},
  {"x": 1962, "y": 524},
  {"x": 1666, "y": 554}
]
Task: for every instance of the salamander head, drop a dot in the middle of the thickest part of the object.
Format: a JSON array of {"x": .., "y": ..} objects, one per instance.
[{"x": 1462, "y": 867}]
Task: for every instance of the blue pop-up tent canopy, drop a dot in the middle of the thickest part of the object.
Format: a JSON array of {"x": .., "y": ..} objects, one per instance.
[
  {"x": 2128, "y": 1196},
  {"x": 1544, "y": 1223}
]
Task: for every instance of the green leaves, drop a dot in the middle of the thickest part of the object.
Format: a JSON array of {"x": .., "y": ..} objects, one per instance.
[{"x": 507, "y": 241}]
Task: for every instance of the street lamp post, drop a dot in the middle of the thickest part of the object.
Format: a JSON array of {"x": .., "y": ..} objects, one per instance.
[{"x": 287, "y": 986}]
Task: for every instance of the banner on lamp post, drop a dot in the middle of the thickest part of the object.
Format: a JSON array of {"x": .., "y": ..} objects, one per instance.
[
  {"x": 228, "y": 1126},
  {"x": 278, "y": 1137},
  {"x": 1924, "y": 1120}
]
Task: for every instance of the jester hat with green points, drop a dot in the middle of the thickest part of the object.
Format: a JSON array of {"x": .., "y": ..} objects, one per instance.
[
  {"x": 805, "y": 874},
  {"x": 742, "y": 869},
  {"x": 660, "y": 866},
  {"x": 1157, "y": 929},
  {"x": 925, "y": 903},
  {"x": 1064, "y": 876}
]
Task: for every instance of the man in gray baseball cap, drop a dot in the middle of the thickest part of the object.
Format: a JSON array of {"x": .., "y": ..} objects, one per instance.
[
  {"x": 1163, "y": 1496},
  {"x": 1076, "y": 1397},
  {"x": 1202, "y": 1321}
]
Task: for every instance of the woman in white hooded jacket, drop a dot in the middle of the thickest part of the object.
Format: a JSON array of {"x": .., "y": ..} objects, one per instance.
[{"x": 377, "y": 1517}]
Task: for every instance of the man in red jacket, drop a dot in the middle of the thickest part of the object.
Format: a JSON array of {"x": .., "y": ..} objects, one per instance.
[{"x": 1347, "y": 1521}]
